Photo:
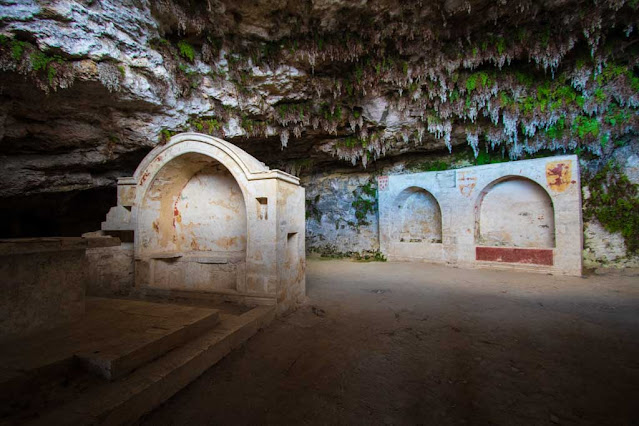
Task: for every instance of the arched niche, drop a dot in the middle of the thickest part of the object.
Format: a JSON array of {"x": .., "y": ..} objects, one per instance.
[
  {"x": 515, "y": 212},
  {"x": 418, "y": 217},
  {"x": 192, "y": 225}
]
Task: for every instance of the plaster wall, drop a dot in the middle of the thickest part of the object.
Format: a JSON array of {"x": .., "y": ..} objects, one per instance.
[
  {"x": 292, "y": 243},
  {"x": 494, "y": 216},
  {"x": 419, "y": 217},
  {"x": 517, "y": 213},
  {"x": 192, "y": 226},
  {"x": 209, "y": 218}
]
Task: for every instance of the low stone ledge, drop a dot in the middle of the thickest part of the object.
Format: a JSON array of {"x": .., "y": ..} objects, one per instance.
[{"x": 16, "y": 246}]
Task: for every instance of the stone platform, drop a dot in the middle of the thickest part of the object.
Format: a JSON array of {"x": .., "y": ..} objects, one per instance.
[
  {"x": 120, "y": 361},
  {"x": 43, "y": 282},
  {"x": 114, "y": 337}
]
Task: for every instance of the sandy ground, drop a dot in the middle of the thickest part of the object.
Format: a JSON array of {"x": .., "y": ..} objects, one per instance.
[{"x": 397, "y": 343}]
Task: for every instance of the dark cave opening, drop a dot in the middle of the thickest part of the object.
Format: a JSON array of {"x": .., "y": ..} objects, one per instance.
[{"x": 58, "y": 214}]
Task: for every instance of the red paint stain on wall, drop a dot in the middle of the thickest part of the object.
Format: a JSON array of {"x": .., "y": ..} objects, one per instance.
[
  {"x": 515, "y": 255},
  {"x": 466, "y": 183},
  {"x": 559, "y": 175},
  {"x": 145, "y": 176},
  {"x": 555, "y": 173},
  {"x": 177, "y": 217}
]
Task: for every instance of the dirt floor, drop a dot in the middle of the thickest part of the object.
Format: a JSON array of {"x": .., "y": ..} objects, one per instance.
[{"x": 397, "y": 343}]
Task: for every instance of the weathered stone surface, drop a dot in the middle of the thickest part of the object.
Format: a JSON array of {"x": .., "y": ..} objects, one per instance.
[
  {"x": 325, "y": 85},
  {"x": 331, "y": 224},
  {"x": 522, "y": 215},
  {"x": 110, "y": 271},
  {"x": 605, "y": 249},
  {"x": 43, "y": 282},
  {"x": 126, "y": 400},
  {"x": 208, "y": 218}
]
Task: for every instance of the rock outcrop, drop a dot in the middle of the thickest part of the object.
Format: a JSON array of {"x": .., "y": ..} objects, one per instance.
[{"x": 324, "y": 89}]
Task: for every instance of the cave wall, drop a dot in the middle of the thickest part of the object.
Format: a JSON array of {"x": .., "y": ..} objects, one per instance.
[
  {"x": 335, "y": 92},
  {"x": 334, "y": 200}
]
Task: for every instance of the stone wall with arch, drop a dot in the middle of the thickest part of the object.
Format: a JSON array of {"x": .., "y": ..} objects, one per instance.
[
  {"x": 522, "y": 215},
  {"x": 515, "y": 212},
  {"x": 194, "y": 214},
  {"x": 419, "y": 217},
  {"x": 207, "y": 218}
]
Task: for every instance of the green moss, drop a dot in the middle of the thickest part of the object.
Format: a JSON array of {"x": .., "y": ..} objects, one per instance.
[
  {"x": 616, "y": 115},
  {"x": 375, "y": 256},
  {"x": 40, "y": 61},
  {"x": 359, "y": 74},
  {"x": 524, "y": 79},
  {"x": 488, "y": 157},
  {"x": 294, "y": 112},
  {"x": 160, "y": 42},
  {"x": 186, "y": 50},
  {"x": 206, "y": 125},
  {"x": 614, "y": 202},
  {"x": 471, "y": 83},
  {"x": 505, "y": 99},
  {"x": 585, "y": 126},
  {"x": 455, "y": 93},
  {"x": 165, "y": 135},
  {"x": 610, "y": 72},
  {"x": 269, "y": 51},
  {"x": 549, "y": 97},
  {"x": 564, "y": 95},
  {"x": 543, "y": 91},
  {"x": 253, "y": 127},
  {"x": 353, "y": 142},
  {"x": 349, "y": 87},
  {"x": 303, "y": 164},
  {"x": 365, "y": 203},
  {"x": 433, "y": 166},
  {"x": 556, "y": 131},
  {"x": 501, "y": 46},
  {"x": 329, "y": 113},
  {"x": 17, "y": 49}
]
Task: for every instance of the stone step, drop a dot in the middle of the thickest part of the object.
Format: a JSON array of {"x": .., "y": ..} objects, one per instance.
[
  {"x": 158, "y": 329},
  {"x": 114, "y": 337},
  {"x": 123, "y": 401}
]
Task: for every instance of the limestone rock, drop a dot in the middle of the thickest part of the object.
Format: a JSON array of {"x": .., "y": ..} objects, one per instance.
[{"x": 87, "y": 88}]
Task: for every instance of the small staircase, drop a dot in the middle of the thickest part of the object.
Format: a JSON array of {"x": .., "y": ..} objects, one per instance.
[{"x": 120, "y": 362}]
